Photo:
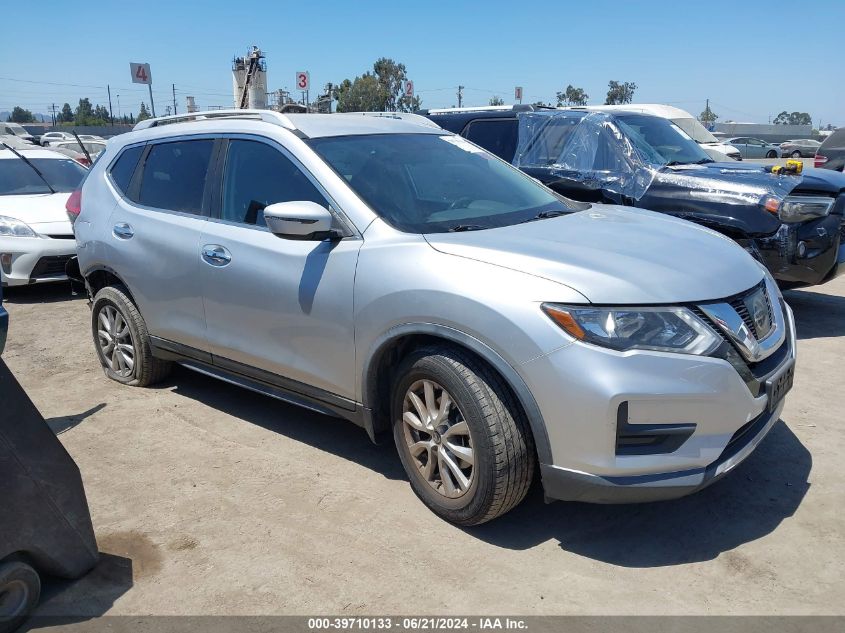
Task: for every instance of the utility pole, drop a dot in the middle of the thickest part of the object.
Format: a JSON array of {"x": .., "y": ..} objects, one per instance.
[
  {"x": 53, "y": 114},
  {"x": 111, "y": 114},
  {"x": 174, "y": 98},
  {"x": 119, "y": 115},
  {"x": 152, "y": 103},
  {"x": 460, "y": 95}
]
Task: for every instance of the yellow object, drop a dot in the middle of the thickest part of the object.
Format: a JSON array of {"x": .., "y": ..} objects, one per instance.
[{"x": 795, "y": 165}]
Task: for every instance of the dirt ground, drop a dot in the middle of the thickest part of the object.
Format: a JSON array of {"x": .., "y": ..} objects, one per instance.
[{"x": 208, "y": 499}]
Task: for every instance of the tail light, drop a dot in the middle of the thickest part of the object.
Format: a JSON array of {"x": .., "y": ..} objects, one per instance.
[
  {"x": 73, "y": 206},
  {"x": 820, "y": 160},
  {"x": 83, "y": 161}
]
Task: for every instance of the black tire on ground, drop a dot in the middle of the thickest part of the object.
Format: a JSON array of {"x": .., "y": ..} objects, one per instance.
[
  {"x": 147, "y": 370},
  {"x": 20, "y": 588},
  {"x": 503, "y": 446},
  {"x": 771, "y": 154},
  {"x": 796, "y": 154}
]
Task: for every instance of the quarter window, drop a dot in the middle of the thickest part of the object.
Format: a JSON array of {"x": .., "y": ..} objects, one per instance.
[
  {"x": 123, "y": 168},
  {"x": 174, "y": 175},
  {"x": 496, "y": 136},
  {"x": 257, "y": 175}
]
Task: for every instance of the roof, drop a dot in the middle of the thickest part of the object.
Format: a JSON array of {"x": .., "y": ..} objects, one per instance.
[
  {"x": 30, "y": 153},
  {"x": 657, "y": 109},
  {"x": 307, "y": 125}
]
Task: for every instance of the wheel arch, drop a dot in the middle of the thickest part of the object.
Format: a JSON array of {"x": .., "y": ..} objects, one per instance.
[
  {"x": 99, "y": 277},
  {"x": 391, "y": 346}
]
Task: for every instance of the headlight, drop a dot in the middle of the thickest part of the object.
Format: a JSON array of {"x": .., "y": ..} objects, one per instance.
[
  {"x": 658, "y": 329},
  {"x": 800, "y": 208},
  {"x": 10, "y": 227}
]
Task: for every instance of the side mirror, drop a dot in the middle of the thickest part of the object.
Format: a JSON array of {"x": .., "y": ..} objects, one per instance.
[{"x": 301, "y": 220}]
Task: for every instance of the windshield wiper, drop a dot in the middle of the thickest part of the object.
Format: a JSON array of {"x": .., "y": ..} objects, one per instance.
[
  {"x": 543, "y": 215},
  {"x": 459, "y": 228},
  {"x": 34, "y": 168},
  {"x": 704, "y": 160}
]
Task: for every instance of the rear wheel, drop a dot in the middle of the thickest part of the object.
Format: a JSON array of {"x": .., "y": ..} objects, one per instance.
[
  {"x": 20, "y": 588},
  {"x": 462, "y": 438},
  {"x": 796, "y": 154},
  {"x": 122, "y": 341},
  {"x": 771, "y": 154}
]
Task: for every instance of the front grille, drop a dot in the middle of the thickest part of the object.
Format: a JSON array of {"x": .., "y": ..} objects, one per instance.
[
  {"x": 60, "y": 237},
  {"x": 741, "y": 308},
  {"x": 50, "y": 266}
]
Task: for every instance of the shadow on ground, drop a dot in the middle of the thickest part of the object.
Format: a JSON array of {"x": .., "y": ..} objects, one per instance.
[
  {"x": 43, "y": 293},
  {"x": 817, "y": 315},
  {"x": 746, "y": 505},
  {"x": 62, "y": 423}
]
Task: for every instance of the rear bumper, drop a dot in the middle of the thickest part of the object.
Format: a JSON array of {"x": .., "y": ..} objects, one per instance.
[{"x": 25, "y": 260}]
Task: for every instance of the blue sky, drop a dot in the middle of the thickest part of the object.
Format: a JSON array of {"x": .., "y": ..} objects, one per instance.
[{"x": 735, "y": 52}]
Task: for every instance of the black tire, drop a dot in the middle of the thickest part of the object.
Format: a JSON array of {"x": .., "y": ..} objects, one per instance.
[
  {"x": 771, "y": 154},
  {"x": 146, "y": 370},
  {"x": 796, "y": 154},
  {"x": 503, "y": 447},
  {"x": 20, "y": 589}
]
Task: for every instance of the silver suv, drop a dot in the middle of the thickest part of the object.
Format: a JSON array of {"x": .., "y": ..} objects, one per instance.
[{"x": 380, "y": 269}]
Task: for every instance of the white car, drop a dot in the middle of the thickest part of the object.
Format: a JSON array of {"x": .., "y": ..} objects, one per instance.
[
  {"x": 55, "y": 137},
  {"x": 36, "y": 237},
  {"x": 683, "y": 119},
  {"x": 16, "y": 129}
]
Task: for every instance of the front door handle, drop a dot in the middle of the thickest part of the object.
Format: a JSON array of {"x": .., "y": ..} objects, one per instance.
[
  {"x": 216, "y": 255},
  {"x": 123, "y": 231}
]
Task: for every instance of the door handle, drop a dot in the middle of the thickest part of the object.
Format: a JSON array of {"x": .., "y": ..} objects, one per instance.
[
  {"x": 216, "y": 255},
  {"x": 123, "y": 231}
]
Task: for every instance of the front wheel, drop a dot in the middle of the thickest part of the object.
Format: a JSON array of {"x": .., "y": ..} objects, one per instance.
[
  {"x": 462, "y": 438},
  {"x": 771, "y": 154},
  {"x": 20, "y": 588}
]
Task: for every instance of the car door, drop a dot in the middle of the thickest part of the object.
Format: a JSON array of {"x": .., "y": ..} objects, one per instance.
[
  {"x": 278, "y": 310},
  {"x": 155, "y": 235},
  {"x": 742, "y": 145}
]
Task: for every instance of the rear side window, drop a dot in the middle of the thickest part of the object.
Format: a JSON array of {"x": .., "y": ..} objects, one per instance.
[
  {"x": 496, "y": 136},
  {"x": 257, "y": 175},
  {"x": 174, "y": 175},
  {"x": 835, "y": 140},
  {"x": 123, "y": 168}
]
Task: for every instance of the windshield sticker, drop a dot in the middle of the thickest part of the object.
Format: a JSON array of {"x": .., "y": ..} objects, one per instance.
[{"x": 459, "y": 141}]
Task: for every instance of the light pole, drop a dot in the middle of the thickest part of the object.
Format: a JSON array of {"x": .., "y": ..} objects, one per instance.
[{"x": 119, "y": 115}]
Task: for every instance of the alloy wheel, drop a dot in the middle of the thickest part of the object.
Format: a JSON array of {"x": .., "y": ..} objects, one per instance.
[
  {"x": 438, "y": 438},
  {"x": 115, "y": 340},
  {"x": 13, "y": 599}
]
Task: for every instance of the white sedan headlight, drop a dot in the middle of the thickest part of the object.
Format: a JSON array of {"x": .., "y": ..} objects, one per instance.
[
  {"x": 622, "y": 329},
  {"x": 10, "y": 227},
  {"x": 800, "y": 208}
]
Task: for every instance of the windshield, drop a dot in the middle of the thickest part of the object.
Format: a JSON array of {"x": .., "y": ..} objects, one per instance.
[
  {"x": 661, "y": 142},
  {"x": 698, "y": 132},
  {"x": 18, "y": 178},
  {"x": 427, "y": 183},
  {"x": 17, "y": 130}
]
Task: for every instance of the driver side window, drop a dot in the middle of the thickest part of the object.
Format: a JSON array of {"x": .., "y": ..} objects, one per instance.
[{"x": 257, "y": 175}]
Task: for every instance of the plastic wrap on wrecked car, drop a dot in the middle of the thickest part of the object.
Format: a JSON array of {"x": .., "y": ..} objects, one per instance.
[{"x": 593, "y": 150}]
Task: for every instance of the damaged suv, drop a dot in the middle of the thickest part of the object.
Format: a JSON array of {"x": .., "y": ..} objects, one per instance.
[
  {"x": 379, "y": 269},
  {"x": 792, "y": 223}
]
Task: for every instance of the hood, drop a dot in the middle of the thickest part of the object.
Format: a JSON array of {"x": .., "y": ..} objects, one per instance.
[
  {"x": 615, "y": 255},
  {"x": 746, "y": 175},
  {"x": 45, "y": 213}
]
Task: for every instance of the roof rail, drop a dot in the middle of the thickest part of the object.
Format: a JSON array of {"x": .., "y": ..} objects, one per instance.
[
  {"x": 516, "y": 107},
  {"x": 268, "y": 116}
]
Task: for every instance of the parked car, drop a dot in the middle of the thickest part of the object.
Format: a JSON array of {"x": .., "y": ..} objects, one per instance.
[
  {"x": 831, "y": 153},
  {"x": 751, "y": 147},
  {"x": 15, "y": 129},
  {"x": 36, "y": 239},
  {"x": 791, "y": 223},
  {"x": 91, "y": 137},
  {"x": 683, "y": 119},
  {"x": 800, "y": 148},
  {"x": 75, "y": 154},
  {"x": 49, "y": 138},
  {"x": 383, "y": 270},
  {"x": 94, "y": 147}
]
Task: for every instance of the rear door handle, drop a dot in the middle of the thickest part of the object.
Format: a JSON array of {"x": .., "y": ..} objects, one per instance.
[
  {"x": 216, "y": 255},
  {"x": 123, "y": 231}
]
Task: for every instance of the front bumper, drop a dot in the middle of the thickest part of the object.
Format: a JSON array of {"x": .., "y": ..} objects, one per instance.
[
  {"x": 804, "y": 254},
  {"x": 580, "y": 388},
  {"x": 29, "y": 260}
]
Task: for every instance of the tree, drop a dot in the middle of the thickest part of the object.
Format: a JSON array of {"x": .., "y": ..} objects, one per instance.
[
  {"x": 66, "y": 114},
  {"x": 572, "y": 96},
  {"x": 19, "y": 115},
  {"x": 793, "y": 118},
  {"x": 84, "y": 112},
  {"x": 380, "y": 90},
  {"x": 143, "y": 113},
  {"x": 708, "y": 117},
  {"x": 101, "y": 113},
  {"x": 496, "y": 100},
  {"x": 619, "y": 93}
]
